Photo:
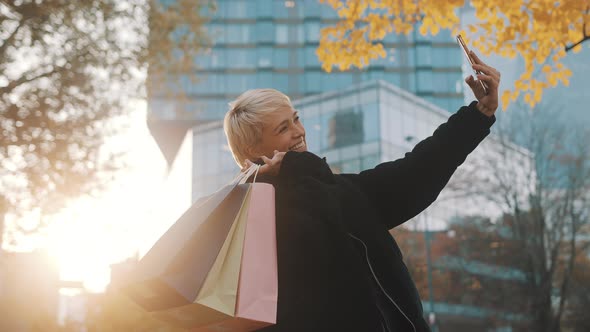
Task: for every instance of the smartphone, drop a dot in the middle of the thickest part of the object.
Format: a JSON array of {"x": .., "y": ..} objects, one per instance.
[{"x": 471, "y": 62}]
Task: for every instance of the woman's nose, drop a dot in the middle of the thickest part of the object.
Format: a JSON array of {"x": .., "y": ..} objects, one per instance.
[{"x": 299, "y": 131}]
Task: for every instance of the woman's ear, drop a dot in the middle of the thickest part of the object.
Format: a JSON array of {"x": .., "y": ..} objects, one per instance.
[{"x": 252, "y": 153}]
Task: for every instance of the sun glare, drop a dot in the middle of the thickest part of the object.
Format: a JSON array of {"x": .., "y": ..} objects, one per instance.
[
  {"x": 93, "y": 233},
  {"x": 84, "y": 245}
]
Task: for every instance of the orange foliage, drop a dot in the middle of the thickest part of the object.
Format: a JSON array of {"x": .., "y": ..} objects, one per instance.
[{"x": 541, "y": 31}]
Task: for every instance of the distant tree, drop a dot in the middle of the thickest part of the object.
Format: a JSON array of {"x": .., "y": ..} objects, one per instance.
[
  {"x": 542, "y": 32},
  {"x": 67, "y": 69},
  {"x": 547, "y": 203},
  {"x": 463, "y": 257},
  {"x": 576, "y": 316}
]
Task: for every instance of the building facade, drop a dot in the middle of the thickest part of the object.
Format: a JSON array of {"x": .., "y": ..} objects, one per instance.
[{"x": 272, "y": 43}]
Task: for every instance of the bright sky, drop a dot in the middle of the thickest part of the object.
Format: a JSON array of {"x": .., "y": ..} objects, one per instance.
[{"x": 143, "y": 201}]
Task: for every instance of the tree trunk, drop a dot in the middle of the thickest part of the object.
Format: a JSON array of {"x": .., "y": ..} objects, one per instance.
[{"x": 541, "y": 309}]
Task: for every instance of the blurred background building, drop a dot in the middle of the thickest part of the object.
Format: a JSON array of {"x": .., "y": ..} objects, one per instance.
[{"x": 272, "y": 43}]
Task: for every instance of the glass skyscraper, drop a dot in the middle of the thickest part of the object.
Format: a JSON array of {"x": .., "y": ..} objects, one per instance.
[{"x": 272, "y": 43}]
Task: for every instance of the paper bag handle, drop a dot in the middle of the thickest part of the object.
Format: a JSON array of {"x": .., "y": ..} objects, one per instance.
[{"x": 253, "y": 169}]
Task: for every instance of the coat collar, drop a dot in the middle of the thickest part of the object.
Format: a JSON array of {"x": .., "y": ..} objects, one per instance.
[{"x": 296, "y": 165}]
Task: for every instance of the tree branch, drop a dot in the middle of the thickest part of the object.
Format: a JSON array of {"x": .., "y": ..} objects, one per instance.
[
  {"x": 10, "y": 38},
  {"x": 23, "y": 80},
  {"x": 568, "y": 272},
  {"x": 584, "y": 38},
  {"x": 569, "y": 48}
]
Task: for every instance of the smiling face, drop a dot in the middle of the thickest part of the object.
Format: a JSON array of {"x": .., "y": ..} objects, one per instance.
[{"x": 282, "y": 131}]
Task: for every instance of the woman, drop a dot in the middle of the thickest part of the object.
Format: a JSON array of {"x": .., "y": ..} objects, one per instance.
[{"x": 339, "y": 267}]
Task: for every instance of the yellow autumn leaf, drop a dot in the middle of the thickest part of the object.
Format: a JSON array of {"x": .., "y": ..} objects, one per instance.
[
  {"x": 527, "y": 98},
  {"x": 505, "y": 99}
]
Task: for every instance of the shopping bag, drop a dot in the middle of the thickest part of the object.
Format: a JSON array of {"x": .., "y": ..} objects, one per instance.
[
  {"x": 173, "y": 271},
  {"x": 244, "y": 274}
]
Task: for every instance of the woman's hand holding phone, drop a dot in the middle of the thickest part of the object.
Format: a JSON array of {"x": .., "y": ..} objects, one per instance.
[
  {"x": 486, "y": 87},
  {"x": 487, "y": 102}
]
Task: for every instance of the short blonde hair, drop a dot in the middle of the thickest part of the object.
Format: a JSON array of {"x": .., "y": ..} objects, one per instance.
[{"x": 244, "y": 121}]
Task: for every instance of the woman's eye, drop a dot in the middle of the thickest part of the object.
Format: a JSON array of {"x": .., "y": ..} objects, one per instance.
[
  {"x": 283, "y": 129},
  {"x": 296, "y": 119}
]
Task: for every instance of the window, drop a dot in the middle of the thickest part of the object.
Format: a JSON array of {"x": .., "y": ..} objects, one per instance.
[
  {"x": 281, "y": 57},
  {"x": 392, "y": 37},
  {"x": 411, "y": 57},
  {"x": 350, "y": 152},
  {"x": 440, "y": 82},
  {"x": 328, "y": 12},
  {"x": 454, "y": 57},
  {"x": 419, "y": 37},
  {"x": 312, "y": 82},
  {"x": 217, "y": 32},
  {"x": 264, "y": 57},
  {"x": 393, "y": 78},
  {"x": 351, "y": 166},
  {"x": 423, "y": 56},
  {"x": 209, "y": 84},
  {"x": 264, "y": 32},
  {"x": 370, "y": 122},
  {"x": 336, "y": 81},
  {"x": 424, "y": 80},
  {"x": 311, "y": 59},
  {"x": 345, "y": 128},
  {"x": 264, "y": 79},
  {"x": 235, "y": 8},
  {"x": 238, "y": 83},
  {"x": 444, "y": 36},
  {"x": 408, "y": 125},
  {"x": 281, "y": 34},
  {"x": 241, "y": 58},
  {"x": 312, "y": 32},
  {"x": 299, "y": 33},
  {"x": 439, "y": 57},
  {"x": 239, "y": 33},
  {"x": 312, "y": 8},
  {"x": 280, "y": 82},
  {"x": 312, "y": 131},
  {"x": 300, "y": 52},
  {"x": 279, "y": 9},
  {"x": 218, "y": 58},
  {"x": 263, "y": 8},
  {"x": 376, "y": 75},
  {"x": 369, "y": 161}
]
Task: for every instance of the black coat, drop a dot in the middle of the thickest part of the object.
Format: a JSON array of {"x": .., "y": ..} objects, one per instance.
[{"x": 339, "y": 267}]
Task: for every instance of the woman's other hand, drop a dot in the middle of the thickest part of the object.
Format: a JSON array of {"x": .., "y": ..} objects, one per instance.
[{"x": 271, "y": 166}]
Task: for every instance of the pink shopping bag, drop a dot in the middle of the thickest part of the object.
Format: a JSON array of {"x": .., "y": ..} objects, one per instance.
[
  {"x": 256, "y": 305},
  {"x": 256, "y": 291}
]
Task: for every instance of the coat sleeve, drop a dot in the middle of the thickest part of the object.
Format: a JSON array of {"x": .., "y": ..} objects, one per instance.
[{"x": 401, "y": 189}]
